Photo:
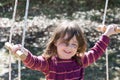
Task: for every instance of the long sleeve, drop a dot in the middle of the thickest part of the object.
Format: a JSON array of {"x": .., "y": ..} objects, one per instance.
[
  {"x": 36, "y": 63},
  {"x": 96, "y": 51}
]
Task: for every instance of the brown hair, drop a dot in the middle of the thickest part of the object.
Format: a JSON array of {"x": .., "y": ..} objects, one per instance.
[{"x": 72, "y": 29}]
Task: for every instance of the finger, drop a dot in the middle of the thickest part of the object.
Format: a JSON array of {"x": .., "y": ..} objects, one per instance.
[{"x": 15, "y": 48}]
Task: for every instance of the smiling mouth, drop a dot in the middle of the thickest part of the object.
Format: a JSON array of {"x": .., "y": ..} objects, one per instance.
[{"x": 67, "y": 52}]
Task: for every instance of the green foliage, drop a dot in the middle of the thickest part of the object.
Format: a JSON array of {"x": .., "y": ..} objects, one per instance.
[{"x": 52, "y": 8}]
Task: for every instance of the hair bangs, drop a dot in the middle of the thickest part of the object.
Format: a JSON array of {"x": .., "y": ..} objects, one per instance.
[{"x": 70, "y": 32}]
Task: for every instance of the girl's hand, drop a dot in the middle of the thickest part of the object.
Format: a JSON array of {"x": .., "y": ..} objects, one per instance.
[
  {"x": 16, "y": 50},
  {"x": 111, "y": 29},
  {"x": 13, "y": 48}
]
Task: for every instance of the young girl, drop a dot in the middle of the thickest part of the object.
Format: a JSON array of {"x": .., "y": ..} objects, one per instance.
[{"x": 65, "y": 57}]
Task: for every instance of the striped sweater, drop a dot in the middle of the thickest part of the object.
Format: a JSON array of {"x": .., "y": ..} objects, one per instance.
[{"x": 68, "y": 69}]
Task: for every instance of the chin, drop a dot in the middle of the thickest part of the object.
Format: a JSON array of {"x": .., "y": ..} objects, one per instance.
[{"x": 68, "y": 58}]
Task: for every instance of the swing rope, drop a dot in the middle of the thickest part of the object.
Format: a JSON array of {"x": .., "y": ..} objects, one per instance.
[
  {"x": 105, "y": 10},
  {"x": 10, "y": 37},
  {"x": 107, "y": 72},
  {"x": 23, "y": 38}
]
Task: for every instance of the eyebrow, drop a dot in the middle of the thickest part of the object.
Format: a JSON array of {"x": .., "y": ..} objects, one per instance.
[{"x": 76, "y": 43}]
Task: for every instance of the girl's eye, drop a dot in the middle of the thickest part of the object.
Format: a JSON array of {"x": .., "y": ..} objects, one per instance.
[
  {"x": 74, "y": 45},
  {"x": 70, "y": 45},
  {"x": 64, "y": 43}
]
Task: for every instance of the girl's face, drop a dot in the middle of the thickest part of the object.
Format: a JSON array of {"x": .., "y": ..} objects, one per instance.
[{"x": 66, "y": 50}]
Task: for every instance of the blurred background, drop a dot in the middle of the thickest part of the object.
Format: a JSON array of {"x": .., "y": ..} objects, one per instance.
[{"x": 42, "y": 17}]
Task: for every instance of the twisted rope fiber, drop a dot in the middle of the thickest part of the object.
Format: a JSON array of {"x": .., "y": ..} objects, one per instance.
[
  {"x": 23, "y": 38},
  {"x": 10, "y": 36},
  {"x": 104, "y": 16}
]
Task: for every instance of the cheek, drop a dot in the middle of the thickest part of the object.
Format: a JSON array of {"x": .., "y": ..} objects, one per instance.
[
  {"x": 75, "y": 51},
  {"x": 59, "y": 47}
]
